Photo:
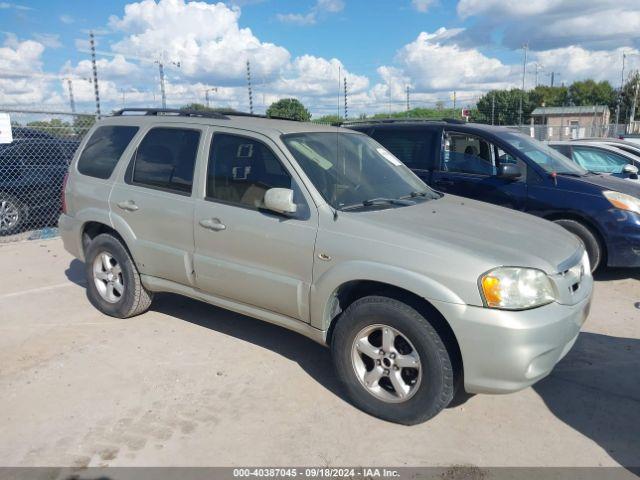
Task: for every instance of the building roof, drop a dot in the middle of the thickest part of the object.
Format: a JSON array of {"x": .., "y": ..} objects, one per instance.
[{"x": 582, "y": 110}]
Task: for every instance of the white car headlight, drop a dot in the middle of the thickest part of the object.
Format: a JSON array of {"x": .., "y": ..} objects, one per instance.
[
  {"x": 515, "y": 288},
  {"x": 623, "y": 201}
]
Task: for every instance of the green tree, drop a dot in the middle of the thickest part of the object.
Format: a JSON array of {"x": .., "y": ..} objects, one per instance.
[
  {"x": 544, "y": 95},
  {"x": 502, "y": 107},
  {"x": 420, "y": 112},
  {"x": 589, "y": 92},
  {"x": 82, "y": 123},
  {"x": 329, "y": 119},
  {"x": 289, "y": 108},
  {"x": 627, "y": 96},
  {"x": 199, "y": 107},
  {"x": 55, "y": 126}
]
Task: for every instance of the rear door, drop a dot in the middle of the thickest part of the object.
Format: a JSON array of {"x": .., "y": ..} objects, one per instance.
[
  {"x": 469, "y": 165},
  {"x": 154, "y": 203}
]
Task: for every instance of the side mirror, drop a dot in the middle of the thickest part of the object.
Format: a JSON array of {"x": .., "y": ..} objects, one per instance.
[
  {"x": 630, "y": 169},
  {"x": 509, "y": 171},
  {"x": 279, "y": 200}
]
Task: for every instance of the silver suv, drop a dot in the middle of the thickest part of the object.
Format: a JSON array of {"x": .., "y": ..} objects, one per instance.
[{"x": 323, "y": 231}]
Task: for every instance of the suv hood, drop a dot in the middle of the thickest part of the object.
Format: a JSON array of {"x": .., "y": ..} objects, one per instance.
[{"x": 495, "y": 236}]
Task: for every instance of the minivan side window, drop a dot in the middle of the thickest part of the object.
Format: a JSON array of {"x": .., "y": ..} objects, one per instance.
[
  {"x": 412, "y": 146},
  {"x": 465, "y": 153},
  {"x": 242, "y": 169},
  {"x": 165, "y": 159},
  {"x": 103, "y": 150}
]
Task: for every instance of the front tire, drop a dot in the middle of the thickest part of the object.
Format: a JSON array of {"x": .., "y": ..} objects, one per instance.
[
  {"x": 391, "y": 361},
  {"x": 13, "y": 214},
  {"x": 113, "y": 281},
  {"x": 588, "y": 239}
]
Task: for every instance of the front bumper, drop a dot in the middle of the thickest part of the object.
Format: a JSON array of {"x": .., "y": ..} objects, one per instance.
[
  {"x": 505, "y": 351},
  {"x": 623, "y": 238}
]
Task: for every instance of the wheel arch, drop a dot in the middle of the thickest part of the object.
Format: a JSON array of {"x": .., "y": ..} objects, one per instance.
[{"x": 588, "y": 223}]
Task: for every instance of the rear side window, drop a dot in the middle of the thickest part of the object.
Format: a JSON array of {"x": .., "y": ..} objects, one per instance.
[
  {"x": 415, "y": 148},
  {"x": 166, "y": 159},
  {"x": 104, "y": 149}
]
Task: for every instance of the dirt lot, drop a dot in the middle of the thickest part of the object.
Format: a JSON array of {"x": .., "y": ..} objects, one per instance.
[{"x": 190, "y": 384}]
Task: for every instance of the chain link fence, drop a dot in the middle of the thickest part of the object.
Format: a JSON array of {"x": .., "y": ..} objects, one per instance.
[
  {"x": 32, "y": 170},
  {"x": 33, "y": 166}
]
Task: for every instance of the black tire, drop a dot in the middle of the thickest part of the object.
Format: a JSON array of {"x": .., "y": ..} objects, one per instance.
[
  {"x": 9, "y": 226},
  {"x": 588, "y": 238},
  {"x": 135, "y": 299},
  {"x": 437, "y": 387}
]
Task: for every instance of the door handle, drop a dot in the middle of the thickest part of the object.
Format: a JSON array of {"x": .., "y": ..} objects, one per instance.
[
  {"x": 213, "y": 224},
  {"x": 129, "y": 205}
]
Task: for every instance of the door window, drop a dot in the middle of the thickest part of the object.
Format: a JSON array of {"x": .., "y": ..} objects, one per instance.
[
  {"x": 413, "y": 147},
  {"x": 599, "y": 160},
  {"x": 166, "y": 159},
  {"x": 242, "y": 169},
  {"x": 464, "y": 153}
]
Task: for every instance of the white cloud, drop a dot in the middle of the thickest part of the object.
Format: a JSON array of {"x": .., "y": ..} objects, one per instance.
[
  {"x": 66, "y": 19},
  {"x": 546, "y": 24},
  {"x": 320, "y": 9},
  {"x": 49, "y": 40},
  {"x": 14, "y": 6},
  {"x": 422, "y": 5},
  {"x": 24, "y": 84}
]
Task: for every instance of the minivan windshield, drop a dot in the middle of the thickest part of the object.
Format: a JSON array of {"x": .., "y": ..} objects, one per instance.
[
  {"x": 351, "y": 170},
  {"x": 546, "y": 157}
]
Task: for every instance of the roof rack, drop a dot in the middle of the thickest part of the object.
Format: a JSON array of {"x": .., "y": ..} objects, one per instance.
[
  {"x": 171, "y": 111},
  {"x": 401, "y": 120},
  {"x": 224, "y": 115}
]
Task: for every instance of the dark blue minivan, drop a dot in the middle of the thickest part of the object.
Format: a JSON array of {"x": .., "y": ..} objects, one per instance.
[{"x": 502, "y": 166}]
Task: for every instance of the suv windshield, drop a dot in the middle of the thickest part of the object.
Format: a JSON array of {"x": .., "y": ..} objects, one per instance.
[
  {"x": 351, "y": 169},
  {"x": 545, "y": 156}
]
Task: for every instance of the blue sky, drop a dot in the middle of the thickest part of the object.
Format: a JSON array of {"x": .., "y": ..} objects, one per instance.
[{"x": 296, "y": 48}]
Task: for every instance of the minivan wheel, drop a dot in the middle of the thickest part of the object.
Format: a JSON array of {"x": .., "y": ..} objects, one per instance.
[
  {"x": 113, "y": 281},
  {"x": 391, "y": 361},
  {"x": 12, "y": 214},
  {"x": 589, "y": 240}
]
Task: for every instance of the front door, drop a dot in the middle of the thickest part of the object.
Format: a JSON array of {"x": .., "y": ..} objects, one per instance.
[
  {"x": 468, "y": 167},
  {"x": 243, "y": 252}
]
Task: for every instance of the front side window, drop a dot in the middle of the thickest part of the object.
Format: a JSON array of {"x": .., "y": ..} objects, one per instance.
[
  {"x": 464, "y": 153},
  {"x": 600, "y": 161},
  {"x": 103, "y": 150},
  {"x": 543, "y": 155},
  {"x": 242, "y": 169},
  {"x": 351, "y": 169},
  {"x": 166, "y": 159}
]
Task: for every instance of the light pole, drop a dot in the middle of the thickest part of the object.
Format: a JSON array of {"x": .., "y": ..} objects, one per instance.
[{"x": 525, "y": 47}]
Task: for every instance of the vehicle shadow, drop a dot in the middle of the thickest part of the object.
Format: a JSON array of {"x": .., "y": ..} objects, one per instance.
[
  {"x": 312, "y": 357},
  {"x": 75, "y": 272},
  {"x": 595, "y": 389}
]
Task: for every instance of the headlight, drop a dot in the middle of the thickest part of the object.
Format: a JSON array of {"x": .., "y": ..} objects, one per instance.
[
  {"x": 514, "y": 288},
  {"x": 623, "y": 201}
]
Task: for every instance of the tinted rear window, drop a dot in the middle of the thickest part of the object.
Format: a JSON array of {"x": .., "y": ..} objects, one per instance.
[
  {"x": 104, "y": 149},
  {"x": 414, "y": 147}
]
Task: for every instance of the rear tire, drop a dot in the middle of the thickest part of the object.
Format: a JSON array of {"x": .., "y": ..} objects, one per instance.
[
  {"x": 13, "y": 214},
  {"x": 381, "y": 384},
  {"x": 113, "y": 281},
  {"x": 588, "y": 239}
]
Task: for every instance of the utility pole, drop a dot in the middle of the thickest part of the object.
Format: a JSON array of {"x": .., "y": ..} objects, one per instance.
[
  {"x": 633, "y": 105},
  {"x": 493, "y": 106},
  {"x": 620, "y": 92},
  {"x": 249, "y": 87},
  {"x": 206, "y": 94},
  {"x": 408, "y": 104},
  {"x": 454, "y": 99},
  {"x": 346, "y": 111},
  {"x": 122, "y": 90},
  {"x": 95, "y": 72},
  {"x": 524, "y": 74},
  {"x": 72, "y": 102},
  {"x": 162, "y": 90},
  {"x": 538, "y": 67}
]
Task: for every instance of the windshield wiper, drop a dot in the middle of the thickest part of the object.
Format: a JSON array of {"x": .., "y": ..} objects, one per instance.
[{"x": 372, "y": 202}]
